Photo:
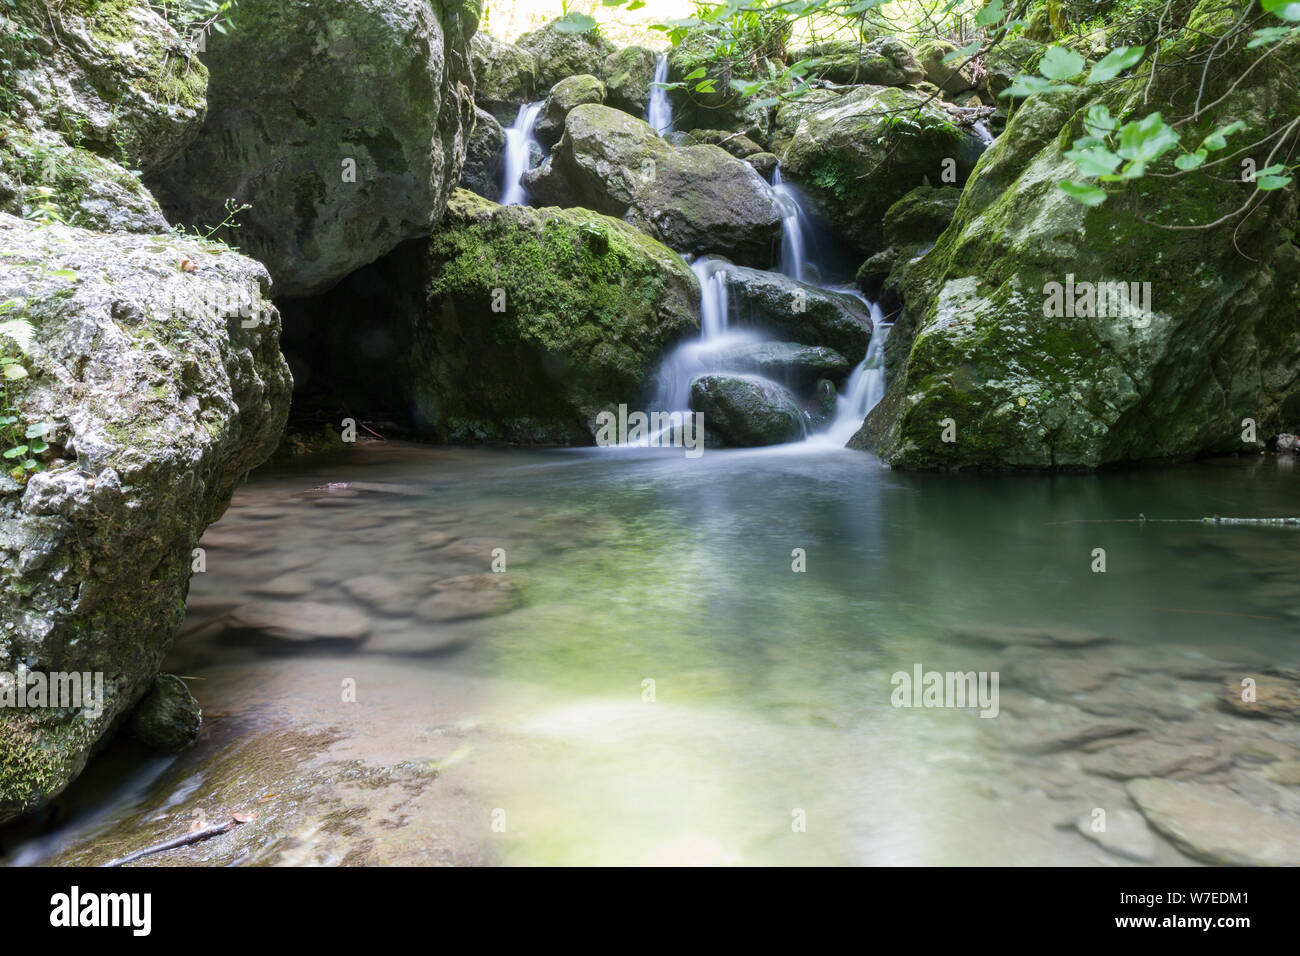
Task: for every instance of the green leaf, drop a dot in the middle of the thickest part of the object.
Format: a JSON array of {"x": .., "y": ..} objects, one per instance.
[
  {"x": 16, "y": 452},
  {"x": 15, "y": 372},
  {"x": 963, "y": 53},
  {"x": 636, "y": 4},
  {"x": 1190, "y": 160},
  {"x": 1085, "y": 193},
  {"x": 1099, "y": 120},
  {"x": 992, "y": 12},
  {"x": 1026, "y": 85},
  {"x": 695, "y": 74},
  {"x": 39, "y": 447},
  {"x": 38, "y": 430},
  {"x": 1269, "y": 35},
  {"x": 1268, "y": 183},
  {"x": 1218, "y": 139},
  {"x": 1094, "y": 161},
  {"x": 1116, "y": 62},
  {"x": 1147, "y": 140},
  {"x": 1273, "y": 170},
  {"x": 20, "y": 331},
  {"x": 575, "y": 23},
  {"x": 69, "y": 274},
  {"x": 705, "y": 87},
  {"x": 1286, "y": 9},
  {"x": 1060, "y": 64}
]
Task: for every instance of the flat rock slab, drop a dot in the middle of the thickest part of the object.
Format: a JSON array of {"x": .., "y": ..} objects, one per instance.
[
  {"x": 302, "y": 620},
  {"x": 1130, "y": 759},
  {"x": 1213, "y": 824},
  {"x": 1125, "y": 834},
  {"x": 1274, "y": 697},
  {"x": 999, "y": 636},
  {"x": 468, "y": 596}
]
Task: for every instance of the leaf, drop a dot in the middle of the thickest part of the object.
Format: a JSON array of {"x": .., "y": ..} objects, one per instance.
[
  {"x": 1060, "y": 64},
  {"x": 1190, "y": 160},
  {"x": 695, "y": 74},
  {"x": 636, "y": 4},
  {"x": 1146, "y": 140},
  {"x": 1095, "y": 161},
  {"x": 15, "y": 372},
  {"x": 16, "y": 452},
  {"x": 1085, "y": 193},
  {"x": 1218, "y": 139},
  {"x": 20, "y": 331},
  {"x": 1026, "y": 85},
  {"x": 574, "y": 23},
  {"x": 963, "y": 53},
  {"x": 39, "y": 447},
  {"x": 1116, "y": 62},
  {"x": 705, "y": 87},
  {"x": 1268, "y": 183},
  {"x": 1099, "y": 120},
  {"x": 244, "y": 817},
  {"x": 1286, "y": 9},
  {"x": 39, "y": 430},
  {"x": 1269, "y": 35},
  {"x": 68, "y": 274},
  {"x": 992, "y": 12}
]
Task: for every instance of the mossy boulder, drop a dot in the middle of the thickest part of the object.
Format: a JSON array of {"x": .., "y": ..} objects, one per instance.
[
  {"x": 156, "y": 364},
  {"x": 747, "y": 410},
  {"x": 954, "y": 76},
  {"x": 529, "y": 322},
  {"x": 858, "y": 154},
  {"x": 986, "y": 339},
  {"x": 505, "y": 77},
  {"x": 1003, "y": 63},
  {"x": 564, "y": 96},
  {"x": 485, "y": 157},
  {"x": 885, "y": 61},
  {"x": 695, "y": 199},
  {"x": 560, "y": 54},
  {"x": 628, "y": 74},
  {"x": 799, "y": 312},
  {"x": 344, "y": 128},
  {"x": 921, "y": 215},
  {"x": 168, "y": 718}
]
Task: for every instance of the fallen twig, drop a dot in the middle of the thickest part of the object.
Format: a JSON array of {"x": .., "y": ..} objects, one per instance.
[{"x": 195, "y": 837}]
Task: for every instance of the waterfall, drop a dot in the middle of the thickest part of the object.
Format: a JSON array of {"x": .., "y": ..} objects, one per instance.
[
  {"x": 519, "y": 141},
  {"x": 794, "y": 256},
  {"x": 660, "y": 114},
  {"x": 864, "y": 390}
]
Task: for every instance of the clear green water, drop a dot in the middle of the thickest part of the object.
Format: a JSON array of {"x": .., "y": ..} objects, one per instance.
[{"x": 771, "y": 688}]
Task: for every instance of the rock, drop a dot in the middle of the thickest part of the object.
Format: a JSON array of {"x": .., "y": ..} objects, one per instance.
[
  {"x": 1129, "y": 759},
  {"x": 746, "y": 410},
  {"x": 824, "y": 403},
  {"x": 796, "y": 366},
  {"x": 1286, "y": 444},
  {"x": 378, "y": 109},
  {"x": 1008, "y": 59},
  {"x": 302, "y": 620},
  {"x": 590, "y": 307},
  {"x": 559, "y": 54},
  {"x": 628, "y": 74},
  {"x": 860, "y": 153},
  {"x": 737, "y": 144},
  {"x": 505, "y": 77},
  {"x": 469, "y": 596},
  {"x": 168, "y": 718},
  {"x": 1213, "y": 824},
  {"x": 981, "y": 341},
  {"x": 799, "y": 312},
  {"x": 163, "y": 388},
  {"x": 1126, "y": 834},
  {"x": 881, "y": 62},
  {"x": 951, "y": 77},
  {"x": 921, "y": 216},
  {"x": 1003, "y": 635},
  {"x": 696, "y": 199},
  {"x": 764, "y": 164},
  {"x": 384, "y": 593},
  {"x": 485, "y": 157},
  {"x": 564, "y": 96},
  {"x": 1273, "y": 697}
]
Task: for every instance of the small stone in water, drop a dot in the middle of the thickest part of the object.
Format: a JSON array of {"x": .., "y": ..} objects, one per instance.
[
  {"x": 302, "y": 620},
  {"x": 471, "y": 595}
]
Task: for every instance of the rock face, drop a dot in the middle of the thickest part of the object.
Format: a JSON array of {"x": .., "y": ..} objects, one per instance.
[
  {"x": 1031, "y": 385},
  {"x": 163, "y": 387},
  {"x": 858, "y": 154},
  {"x": 117, "y": 81},
  {"x": 345, "y": 137},
  {"x": 564, "y": 96},
  {"x": 910, "y": 227},
  {"x": 1213, "y": 824},
  {"x": 746, "y": 410},
  {"x": 628, "y": 74},
  {"x": 694, "y": 199},
  {"x": 800, "y": 312},
  {"x": 485, "y": 157},
  {"x": 505, "y": 77},
  {"x": 560, "y": 54}
]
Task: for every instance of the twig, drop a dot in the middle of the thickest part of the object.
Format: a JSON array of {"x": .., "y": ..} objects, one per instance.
[{"x": 186, "y": 840}]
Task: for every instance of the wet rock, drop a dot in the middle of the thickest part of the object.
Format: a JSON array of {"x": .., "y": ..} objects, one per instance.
[
  {"x": 168, "y": 718},
  {"x": 394, "y": 596},
  {"x": 485, "y": 157},
  {"x": 881, "y": 62},
  {"x": 564, "y": 96},
  {"x": 1287, "y": 444},
  {"x": 1285, "y": 772},
  {"x": 1126, "y": 834},
  {"x": 302, "y": 620},
  {"x": 505, "y": 77},
  {"x": 799, "y": 312},
  {"x": 747, "y": 410},
  {"x": 764, "y": 164},
  {"x": 284, "y": 585},
  {"x": 387, "y": 86},
  {"x": 469, "y": 596},
  {"x": 796, "y": 366},
  {"x": 1213, "y": 824},
  {"x": 952, "y": 77},
  {"x": 1273, "y": 697},
  {"x": 1038, "y": 636},
  {"x": 1129, "y": 759}
]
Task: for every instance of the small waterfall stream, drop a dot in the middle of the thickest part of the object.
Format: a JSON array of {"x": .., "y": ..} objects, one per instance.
[
  {"x": 519, "y": 143},
  {"x": 793, "y": 262},
  {"x": 660, "y": 113}
]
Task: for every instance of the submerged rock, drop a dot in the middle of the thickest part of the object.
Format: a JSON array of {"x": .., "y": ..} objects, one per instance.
[
  {"x": 505, "y": 77},
  {"x": 156, "y": 363},
  {"x": 169, "y": 718},
  {"x": 1125, "y": 834},
  {"x": 1213, "y": 824},
  {"x": 747, "y": 410},
  {"x": 485, "y": 157},
  {"x": 695, "y": 199},
  {"x": 564, "y": 96},
  {"x": 344, "y": 141}
]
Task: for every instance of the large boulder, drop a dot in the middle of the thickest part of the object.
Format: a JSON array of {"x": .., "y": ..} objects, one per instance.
[
  {"x": 559, "y": 53},
  {"x": 505, "y": 77},
  {"x": 628, "y": 74},
  {"x": 799, "y": 312},
  {"x": 881, "y": 62},
  {"x": 113, "y": 89},
  {"x": 345, "y": 138},
  {"x": 155, "y": 363},
  {"x": 748, "y": 410},
  {"x": 858, "y": 154},
  {"x": 796, "y": 366},
  {"x": 485, "y": 157},
  {"x": 987, "y": 341},
  {"x": 911, "y": 227},
  {"x": 510, "y": 323},
  {"x": 696, "y": 199},
  {"x": 564, "y": 96},
  {"x": 954, "y": 76}
]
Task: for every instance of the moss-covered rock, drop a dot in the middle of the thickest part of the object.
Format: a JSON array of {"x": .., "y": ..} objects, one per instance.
[
  {"x": 695, "y": 199},
  {"x": 560, "y": 54},
  {"x": 747, "y": 410},
  {"x": 628, "y": 74},
  {"x": 799, "y": 312},
  {"x": 343, "y": 127},
  {"x": 564, "y": 96},
  {"x": 954, "y": 76},
  {"x": 156, "y": 364},
  {"x": 168, "y": 718},
  {"x": 885, "y": 61},
  {"x": 856, "y": 155},
  {"x": 505, "y": 77},
  {"x": 987, "y": 342}
]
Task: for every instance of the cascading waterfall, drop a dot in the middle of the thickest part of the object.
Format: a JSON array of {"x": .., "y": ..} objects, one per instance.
[
  {"x": 519, "y": 143},
  {"x": 793, "y": 262},
  {"x": 660, "y": 114},
  {"x": 862, "y": 393}
]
